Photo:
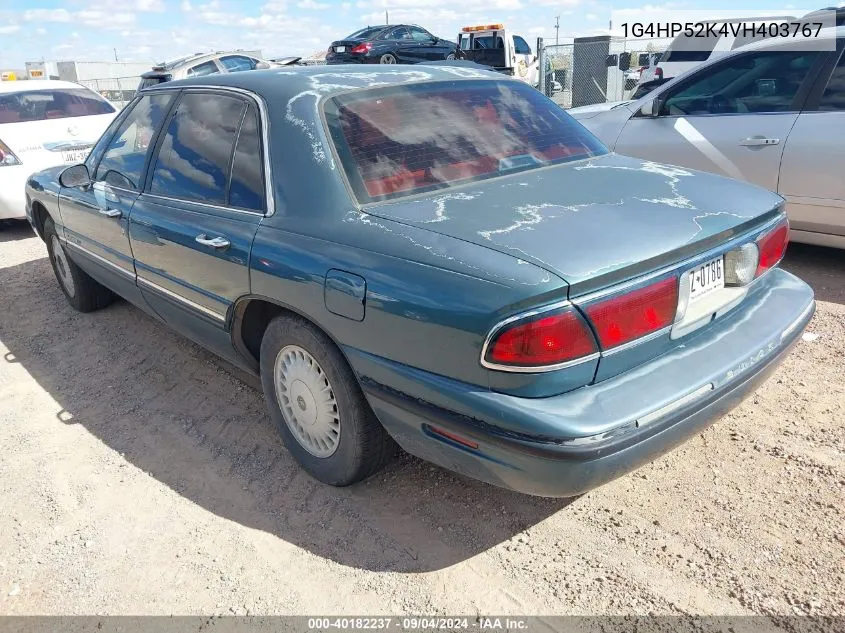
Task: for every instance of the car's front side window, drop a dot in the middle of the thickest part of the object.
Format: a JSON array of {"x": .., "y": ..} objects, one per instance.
[
  {"x": 756, "y": 82},
  {"x": 833, "y": 99},
  {"x": 420, "y": 35},
  {"x": 206, "y": 68},
  {"x": 195, "y": 153},
  {"x": 521, "y": 46},
  {"x": 123, "y": 160}
]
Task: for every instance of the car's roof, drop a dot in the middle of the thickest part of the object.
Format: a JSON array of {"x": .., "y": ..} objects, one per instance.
[
  {"x": 289, "y": 81},
  {"x": 37, "y": 84}
]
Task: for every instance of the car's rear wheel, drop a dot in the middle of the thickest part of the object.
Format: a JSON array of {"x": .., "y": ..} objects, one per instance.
[
  {"x": 387, "y": 58},
  {"x": 82, "y": 292},
  {"x": 450, "y": 56},
  {"x": 317, "y": 405}
]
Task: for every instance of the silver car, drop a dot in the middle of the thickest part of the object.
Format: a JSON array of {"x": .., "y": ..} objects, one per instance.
[
  {"x": 765, "y": 114},
  {"x": 203, "y": 64}
]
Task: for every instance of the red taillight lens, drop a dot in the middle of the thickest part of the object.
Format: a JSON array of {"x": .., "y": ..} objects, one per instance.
[
  {"x": 772, "y": 246},
  {"x": 541, "y": 341},
  {"x": 629, "y": 316},
  {"x": 366, "y": 47},
  {"x": 658, "y": 73}
]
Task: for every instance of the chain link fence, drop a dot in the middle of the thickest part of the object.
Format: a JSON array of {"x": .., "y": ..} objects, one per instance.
[
  {"x": 119, "y": 90},
  {"x": 597, "y": 70}
]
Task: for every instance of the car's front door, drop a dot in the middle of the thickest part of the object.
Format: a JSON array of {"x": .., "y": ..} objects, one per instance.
[
  {"x": 192, "y": 228},
  {"x": 730, "y": 118},
  {"x": 427, "y": 47},
  {"x": 523, "y": 62},
  {"x": 399, "y": 43},
  {"x": 811, "y": 177},
  {"x": 96, "y": 216}
]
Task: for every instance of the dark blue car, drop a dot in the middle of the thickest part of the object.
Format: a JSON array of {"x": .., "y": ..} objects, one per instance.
[{"x": 435, "y": 257}]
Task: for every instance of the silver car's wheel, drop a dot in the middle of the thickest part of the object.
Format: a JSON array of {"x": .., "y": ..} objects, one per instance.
[
  {"x": 387, "y": 58},
  {"x": 307, "y": 401},
  {"x": 62, "y": 266},
  {"x": 450, "y": 56}
]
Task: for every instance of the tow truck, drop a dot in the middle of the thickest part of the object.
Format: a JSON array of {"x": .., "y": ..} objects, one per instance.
[{"x": 491, "y": 45}]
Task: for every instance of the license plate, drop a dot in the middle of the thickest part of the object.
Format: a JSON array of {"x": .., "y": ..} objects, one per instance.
[
  {"x": 339, "y": 49},
  {"x": 75, "y": 156},
  {"x": 706, "y": 278}
]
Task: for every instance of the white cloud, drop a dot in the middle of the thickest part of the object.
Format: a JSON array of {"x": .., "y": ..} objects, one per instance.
[
  {"x": 149, "y": 5},
  {"x": 41, "y": 31},
  {"x": 591, "y": 16},
  {"x": 310, "y": 4},
  {"x": 47, "y": 15},
  {"x": 186, "y": 5},
  {"x": 9, "y": 29}
]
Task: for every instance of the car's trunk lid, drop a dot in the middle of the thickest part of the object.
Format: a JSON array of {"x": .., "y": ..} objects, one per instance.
[
  {"x": 594, "y": 222},
  {"x": 53, "y": 141}
]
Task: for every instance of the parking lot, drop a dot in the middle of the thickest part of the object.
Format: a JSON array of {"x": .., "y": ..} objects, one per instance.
[{"x": 140, "y": 475}]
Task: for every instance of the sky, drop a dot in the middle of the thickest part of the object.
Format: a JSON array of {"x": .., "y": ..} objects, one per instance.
[{"x": 156, "y": 30}]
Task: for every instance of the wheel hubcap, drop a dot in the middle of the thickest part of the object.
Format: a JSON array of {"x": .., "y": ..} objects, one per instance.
[
  {"x": 307, "y": 401},
  {"x": 387, "y": 59},
  {"x": 62, "y": 266}
]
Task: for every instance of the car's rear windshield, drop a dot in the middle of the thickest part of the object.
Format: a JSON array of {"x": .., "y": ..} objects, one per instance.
[
  {"x": 153, "y": 80},
  {"x": 363, "y": 34},
  {"x": 37, "y": 105},
  {"x": 401, "y": 140}
]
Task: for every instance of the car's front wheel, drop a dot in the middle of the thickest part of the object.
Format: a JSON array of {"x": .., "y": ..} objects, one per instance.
[
  {"x": 317, "y": 405},
  {"x": 387, "y": 58},
  {"x": 82, "y": 292},
  {"x": 450, "y": 56}
]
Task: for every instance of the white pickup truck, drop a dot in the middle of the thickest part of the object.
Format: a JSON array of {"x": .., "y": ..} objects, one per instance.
[{"x": 491, "y": 45}]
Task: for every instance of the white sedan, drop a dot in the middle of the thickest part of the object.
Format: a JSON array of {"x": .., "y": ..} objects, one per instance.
[{"x": 42, "y": 124}]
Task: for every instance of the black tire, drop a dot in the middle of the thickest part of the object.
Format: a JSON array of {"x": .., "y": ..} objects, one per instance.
[
  {"x": 388, "y": 58},
  {"x": 83, "y": 293},
  {"x": 363, "y": 447}
]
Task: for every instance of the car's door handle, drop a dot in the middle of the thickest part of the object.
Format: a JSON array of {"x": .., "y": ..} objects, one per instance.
[
  {"x": 214, "y": 242},
  {"x": 110, "y": 213},
  {"x": 756, "y": 141}
]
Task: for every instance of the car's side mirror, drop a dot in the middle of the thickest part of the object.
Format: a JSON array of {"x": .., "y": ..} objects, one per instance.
[
  {"x": 652, "y": 108},
  {"x": 75, "y": 176},
  {"x": 262, "y": 66}
]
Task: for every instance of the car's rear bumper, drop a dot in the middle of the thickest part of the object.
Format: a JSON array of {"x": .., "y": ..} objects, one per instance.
[
  {"x": 565, "y": 445},
  {"x": 350, "y": 59}
]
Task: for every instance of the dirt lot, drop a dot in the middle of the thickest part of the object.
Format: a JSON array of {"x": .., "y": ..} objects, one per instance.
[{"x": 140, "y": 476}]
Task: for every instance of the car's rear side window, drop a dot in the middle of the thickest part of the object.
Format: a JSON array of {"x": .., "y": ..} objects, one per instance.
[
  {"x": 196, "y": 152},
  {"x": 38, "y": 105},
  {"x": 407, "y": 139}
]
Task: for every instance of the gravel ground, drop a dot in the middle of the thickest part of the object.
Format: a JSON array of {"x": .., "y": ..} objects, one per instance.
[{"x": 138, "y": 475}]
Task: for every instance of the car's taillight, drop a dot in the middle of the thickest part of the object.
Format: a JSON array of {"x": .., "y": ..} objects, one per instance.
[
  {"x": 772, "y": 246},
  {"x": 366, "y": 47},
  {"x": 7, "y": 156},
  {"x": 625, "y": 317},
  {"x": 541, "y": 340},
  {"x": 658, "y": 72}
]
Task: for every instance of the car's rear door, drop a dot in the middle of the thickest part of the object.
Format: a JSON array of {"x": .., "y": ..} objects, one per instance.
[
  {"x": 96, "y": 216},
  {"x": 427, "y": 47},
  {"x": 811, "y": 176},
  {"x": 237, "y": 63},
  {"x": 731, "y": 118},
  {"x": 192, "y": 228}
]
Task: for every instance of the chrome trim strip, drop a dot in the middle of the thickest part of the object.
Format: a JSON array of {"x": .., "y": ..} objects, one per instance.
[
  {"x": 797, "y": 322},
  {"x": 540, "y": 368},
  {"x": 637, "y": 341},
  {"x": 102, "y": 260},
  {"x": 265, "y": 133},
  {"x": 154, "y": 286},
  {"x": 675, "y": 405},
  {"x": 256, "y": 214}
]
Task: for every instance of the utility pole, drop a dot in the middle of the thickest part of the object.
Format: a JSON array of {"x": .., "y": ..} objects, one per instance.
[
  {"x": 386, "y": 18},
  {"x": 115, "y": 54},
  {"x": 557, "y": 28}
]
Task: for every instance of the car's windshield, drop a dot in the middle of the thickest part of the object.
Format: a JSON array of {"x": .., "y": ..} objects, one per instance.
[
  {"x": 370, "y": 31},
  {"x": 37, "y": 105},
  {"x": 406, "y": 139}
]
